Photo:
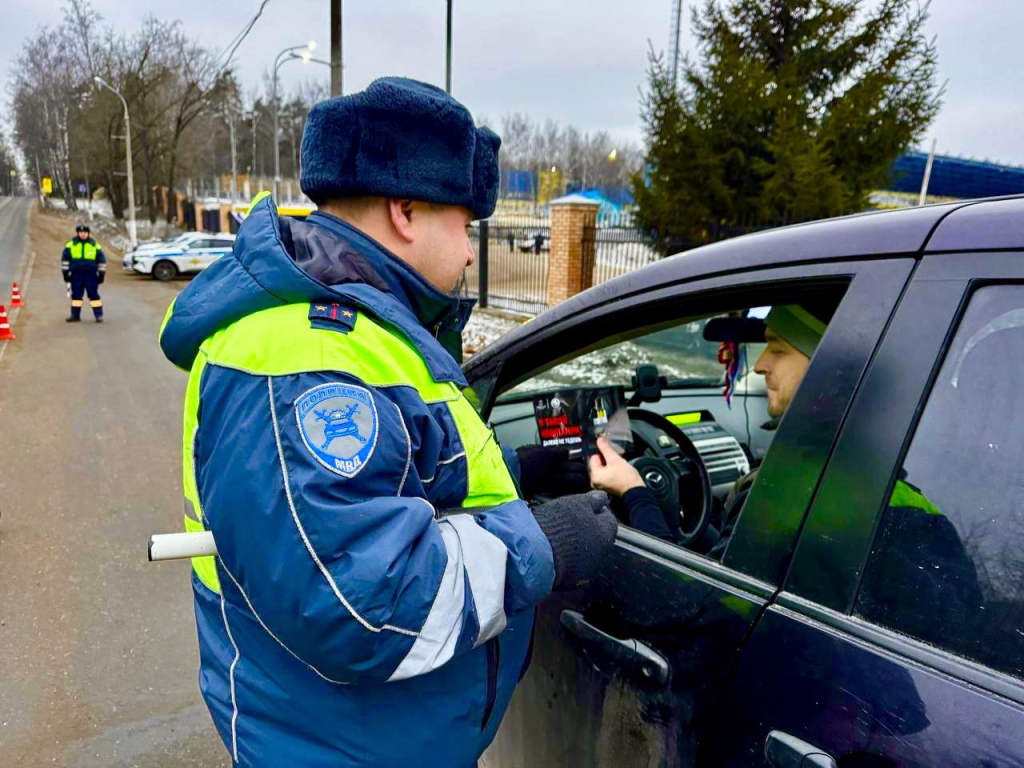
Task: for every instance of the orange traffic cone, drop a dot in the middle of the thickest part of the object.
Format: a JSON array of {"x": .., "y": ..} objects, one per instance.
[
  {"x": 16, "y": 297},
  {"x": 5, "y": 326}
]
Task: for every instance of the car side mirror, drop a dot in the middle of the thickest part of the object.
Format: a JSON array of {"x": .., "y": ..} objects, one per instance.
[{"x": 647, "y": 385}]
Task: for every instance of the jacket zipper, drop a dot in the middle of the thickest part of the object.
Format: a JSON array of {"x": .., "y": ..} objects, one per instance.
[{"x": 493, "y": 658}]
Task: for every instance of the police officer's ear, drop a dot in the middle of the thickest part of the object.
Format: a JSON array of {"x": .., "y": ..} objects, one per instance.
[{"x": 401, "y": 218}]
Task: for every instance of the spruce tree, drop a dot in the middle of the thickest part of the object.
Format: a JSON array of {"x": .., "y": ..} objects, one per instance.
[{"x": 791, "y": 110}]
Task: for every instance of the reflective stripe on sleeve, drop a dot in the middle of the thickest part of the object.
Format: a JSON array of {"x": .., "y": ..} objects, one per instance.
[{"x": 474, "y": 555}]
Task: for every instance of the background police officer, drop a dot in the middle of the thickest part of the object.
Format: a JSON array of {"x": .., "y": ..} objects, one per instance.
[{"x": 85, "y": 267}]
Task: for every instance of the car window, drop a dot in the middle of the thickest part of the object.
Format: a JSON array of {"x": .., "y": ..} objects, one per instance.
[
  {"x": 222, "y": 243},
  {"x": 947, "y": 563},
  {"x": 200, "y": 244},
  {"x": 681, "y": 353},
  {"x": 709, "y": 390}
]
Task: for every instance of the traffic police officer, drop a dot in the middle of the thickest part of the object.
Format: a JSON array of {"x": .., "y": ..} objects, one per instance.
[
  {"x": 372, "y": 599},
  {"x": 84, "y": 266}
]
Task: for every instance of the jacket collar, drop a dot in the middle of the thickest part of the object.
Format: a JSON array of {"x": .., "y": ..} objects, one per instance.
[
  {"x": 356, "y": 266},
  {"x": 358, "y": 258},
  {"x": 279, "y": 260}
]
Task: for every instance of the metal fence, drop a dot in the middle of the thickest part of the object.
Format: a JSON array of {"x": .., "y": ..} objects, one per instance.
[
  {"x": 511, "y": 269},
  {"x": 619, "y": 246}
]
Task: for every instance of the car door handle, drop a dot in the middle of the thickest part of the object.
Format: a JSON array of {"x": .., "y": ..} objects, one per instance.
[
  {"x": 785, "y": 751},
  {"x": 631, "y": 657}
]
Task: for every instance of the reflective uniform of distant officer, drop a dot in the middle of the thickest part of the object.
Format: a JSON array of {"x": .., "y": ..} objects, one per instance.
[{"x": 85, "y": 267}]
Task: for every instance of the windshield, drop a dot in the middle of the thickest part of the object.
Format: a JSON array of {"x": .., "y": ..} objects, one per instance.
[{"x": 681, "y": 353}]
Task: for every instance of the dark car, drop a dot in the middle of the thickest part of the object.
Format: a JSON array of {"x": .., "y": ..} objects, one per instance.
[{"x": 869, "y": 607}]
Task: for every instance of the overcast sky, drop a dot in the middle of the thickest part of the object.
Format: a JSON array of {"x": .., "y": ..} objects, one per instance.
[{"x": 578, "y": 61}]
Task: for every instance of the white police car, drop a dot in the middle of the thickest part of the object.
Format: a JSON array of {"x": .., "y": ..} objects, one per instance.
[
  {"x": 185, "y": 238},
  {"x": 172, "y": 259}
]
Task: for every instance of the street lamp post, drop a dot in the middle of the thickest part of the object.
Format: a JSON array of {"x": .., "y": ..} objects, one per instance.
[
  {"x": 290, "y": 53},
  {"x": 128, "y": 159}
]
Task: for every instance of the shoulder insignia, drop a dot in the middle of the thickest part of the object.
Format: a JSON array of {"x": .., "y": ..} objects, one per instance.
[
  {"x": 338, "y": 424},
  {"x": 332, "y": 317}
]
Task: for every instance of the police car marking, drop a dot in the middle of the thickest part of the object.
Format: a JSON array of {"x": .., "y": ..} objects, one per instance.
[{"x": 339, "y": 426}]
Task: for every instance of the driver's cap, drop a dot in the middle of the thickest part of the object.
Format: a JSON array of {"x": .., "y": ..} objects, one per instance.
[{"x": 797, "y": 326}]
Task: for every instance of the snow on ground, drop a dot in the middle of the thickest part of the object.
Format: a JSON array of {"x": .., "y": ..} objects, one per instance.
[
  {"x": 616, "y": 364},
  {"x": 485, "y": 327}
]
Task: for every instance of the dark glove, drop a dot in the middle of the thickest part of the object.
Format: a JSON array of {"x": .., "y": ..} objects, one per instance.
[
  {"x": 550, "y": 471},
  {"x": 581, "y": 530},
  {"x": 67, "y": 275},
  {"x": 100, "y": 277}
]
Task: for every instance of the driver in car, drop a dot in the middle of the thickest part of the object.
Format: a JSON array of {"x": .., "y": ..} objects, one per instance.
[
  {"x": 920, "y": 533},
  {"x": 791, "y": 333}
]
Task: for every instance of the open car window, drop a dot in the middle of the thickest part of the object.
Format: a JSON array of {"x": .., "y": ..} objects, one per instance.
[
  {"x": 681, "y": 353},
  {"x": 715, "y": 405}
]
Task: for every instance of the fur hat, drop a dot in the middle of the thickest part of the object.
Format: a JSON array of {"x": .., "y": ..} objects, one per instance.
[{"x": 400, "y": 138}]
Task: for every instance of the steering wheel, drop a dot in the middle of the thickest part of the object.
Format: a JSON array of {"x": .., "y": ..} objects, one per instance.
[{"x": 670, "y": 478}]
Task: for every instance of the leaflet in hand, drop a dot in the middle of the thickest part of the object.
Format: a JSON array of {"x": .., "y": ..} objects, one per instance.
[{"x": 575, "y": 418}]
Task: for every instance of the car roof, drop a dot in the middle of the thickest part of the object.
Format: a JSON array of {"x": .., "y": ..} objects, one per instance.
[{"x": 968, "y": 224}]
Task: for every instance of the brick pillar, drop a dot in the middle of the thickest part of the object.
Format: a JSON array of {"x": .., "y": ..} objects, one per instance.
[
  {"x": 199, "y": 217},
  {"x": 571, "y": 261},
  {"x": 225, "y": 212},
  {"x": 180, "y": 202}
]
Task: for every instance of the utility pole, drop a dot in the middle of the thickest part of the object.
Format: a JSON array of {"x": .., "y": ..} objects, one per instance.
[
  {"x": 336, "y": 69},
  {"x": 39, "y": 182},
  {"x": 927, "y": 174},
  {"x": 674, "y": 33},
  {"x": 88, "y": 187},
  {"x": 448, "y": 53},
  {"x": 128, "y": 159},
  {"x": 289, "y": 53},
  {"x": 230, "y": 116}
]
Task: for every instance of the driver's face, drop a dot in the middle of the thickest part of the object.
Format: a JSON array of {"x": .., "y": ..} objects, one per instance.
[{"x": 783, "y": 367}]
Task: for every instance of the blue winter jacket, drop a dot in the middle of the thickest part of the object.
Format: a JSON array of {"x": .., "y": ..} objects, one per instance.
[{"x": 348, "y": 619}]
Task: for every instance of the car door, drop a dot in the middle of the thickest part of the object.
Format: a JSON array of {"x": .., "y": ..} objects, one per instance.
[
  {"x": 196, "y": 256},
  {"x": 899, "y": 637},
  {"x": 218, "y": 247},
  {"x": 627, "y": 672}
]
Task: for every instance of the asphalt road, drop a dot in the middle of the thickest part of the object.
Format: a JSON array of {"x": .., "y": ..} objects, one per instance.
[
  {"x": 13, "y": 223},
  {"x": 98, "y": 654}
]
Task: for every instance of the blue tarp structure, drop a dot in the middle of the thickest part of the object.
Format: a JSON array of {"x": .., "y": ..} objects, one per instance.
[
  {"x": 608, "y": 207},
  {"x": 955, "y": 177}
]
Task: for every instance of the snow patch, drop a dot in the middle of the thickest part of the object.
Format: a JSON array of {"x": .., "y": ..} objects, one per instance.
[{"x": 485, "y": 327}]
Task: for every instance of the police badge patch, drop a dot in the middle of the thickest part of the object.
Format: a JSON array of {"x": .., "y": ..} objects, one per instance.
[{"x": 338, "y": 424}]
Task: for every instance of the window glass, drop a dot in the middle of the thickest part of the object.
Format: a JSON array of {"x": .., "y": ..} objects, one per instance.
[
  {"x": 199, "y": 244},
  {"x": 681, "y": 353},
  {"x": 699, "y": 359},
  {"x": 947, "y": 565}
]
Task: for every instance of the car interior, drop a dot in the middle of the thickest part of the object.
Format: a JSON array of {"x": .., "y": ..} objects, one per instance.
[{"x": 697, "y": 411}]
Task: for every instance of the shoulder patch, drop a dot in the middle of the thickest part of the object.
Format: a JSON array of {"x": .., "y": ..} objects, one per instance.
[
  {"x": 338, "y": 424},
  {"x": 332, "y": 317}
]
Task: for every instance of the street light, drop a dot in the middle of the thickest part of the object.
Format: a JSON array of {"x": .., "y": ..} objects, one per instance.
[
  {"x": 290, "y": 52},
  {"x": 613, "y": 155},
  {"x": 128, "y": 158}
]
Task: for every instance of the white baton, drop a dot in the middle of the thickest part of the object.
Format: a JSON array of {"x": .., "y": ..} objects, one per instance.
[{"x": 179, "y": 546}]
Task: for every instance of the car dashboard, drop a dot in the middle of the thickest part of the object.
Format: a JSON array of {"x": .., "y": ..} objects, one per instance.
[{"x": 717, "y": 431}]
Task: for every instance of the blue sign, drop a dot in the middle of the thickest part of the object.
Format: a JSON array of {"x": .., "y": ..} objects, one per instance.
[{"x": 338, "y": 423}]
